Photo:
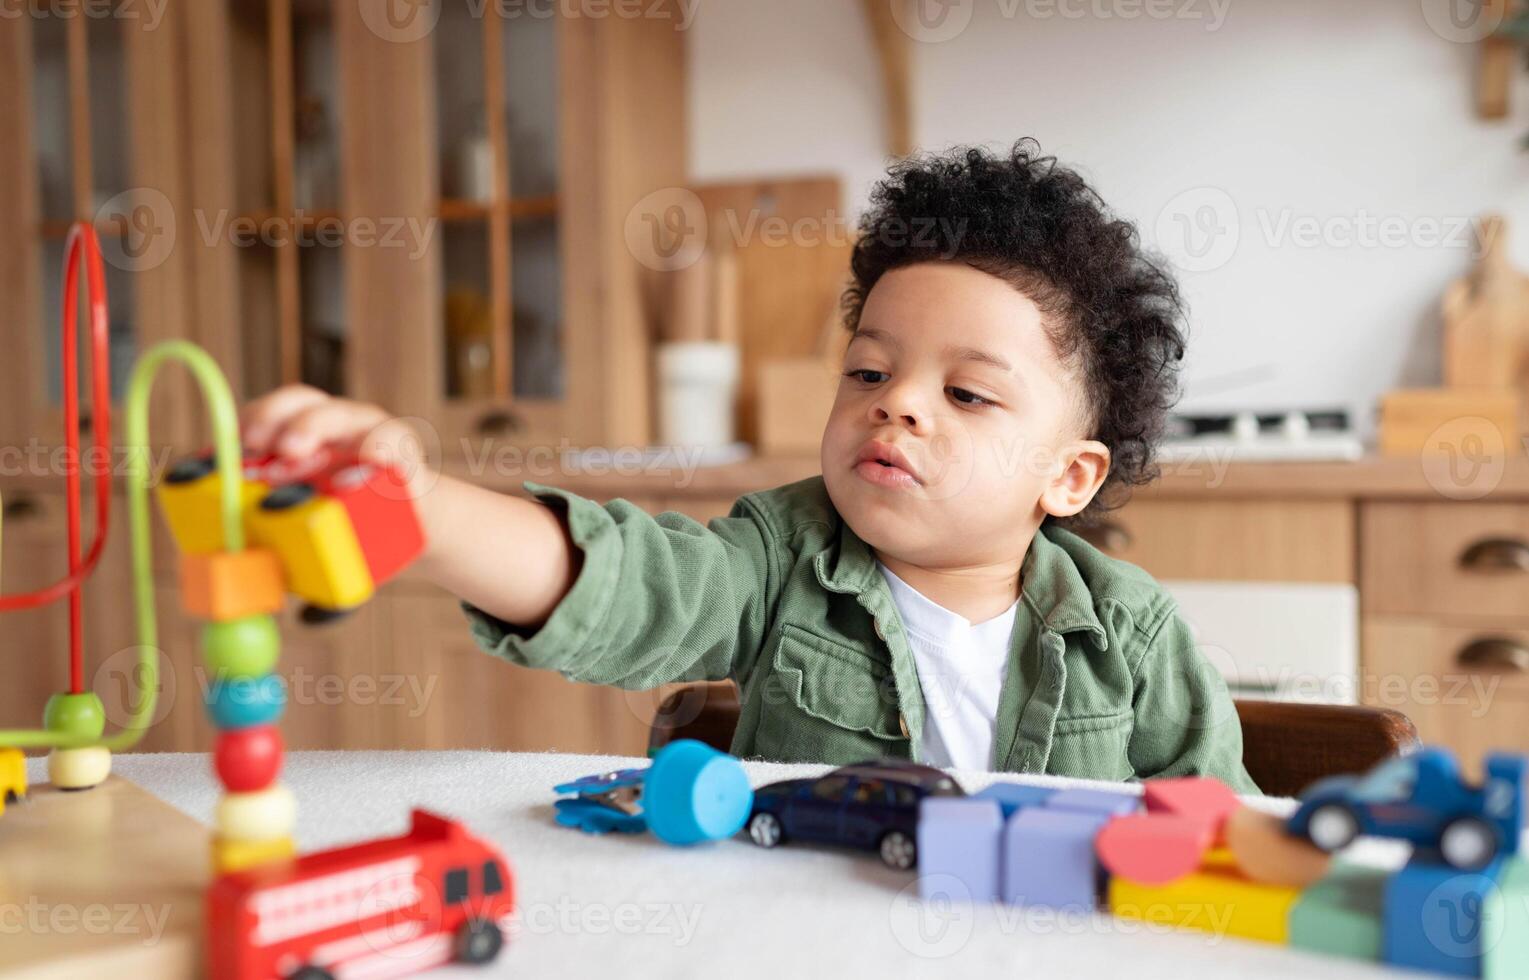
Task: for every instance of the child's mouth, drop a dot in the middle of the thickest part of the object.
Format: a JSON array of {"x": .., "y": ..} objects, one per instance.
[{"x": 885, "y": 474}]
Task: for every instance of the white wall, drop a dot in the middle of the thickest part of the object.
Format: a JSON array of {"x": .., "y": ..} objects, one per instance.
[{"x": 1247, "y": 119}]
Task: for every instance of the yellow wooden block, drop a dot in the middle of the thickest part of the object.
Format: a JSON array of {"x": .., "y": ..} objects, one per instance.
[
  {"x": 236, "y": 855},
  {"x": 193, "y": 510},
  {"x": 1215, "y": 899},
  {"x": 318, "y": 549}
]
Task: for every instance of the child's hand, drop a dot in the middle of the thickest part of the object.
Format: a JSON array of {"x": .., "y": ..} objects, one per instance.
[{"x": 297, "y": 421}]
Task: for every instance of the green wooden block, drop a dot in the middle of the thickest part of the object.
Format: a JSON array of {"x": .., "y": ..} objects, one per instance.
[
  {"x": 1505, "y": 924},
  {"x": 1341, "y": 915}
]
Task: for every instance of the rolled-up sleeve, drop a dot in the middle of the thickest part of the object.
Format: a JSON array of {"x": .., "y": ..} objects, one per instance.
[{"x": 657, "y": 599}]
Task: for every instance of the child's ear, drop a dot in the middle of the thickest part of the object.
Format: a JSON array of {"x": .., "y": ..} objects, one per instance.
[{"x": 1084, "y": 465}]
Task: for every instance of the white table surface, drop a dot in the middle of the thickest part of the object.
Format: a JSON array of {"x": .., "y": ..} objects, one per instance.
[{"x": 631, "y": 906}]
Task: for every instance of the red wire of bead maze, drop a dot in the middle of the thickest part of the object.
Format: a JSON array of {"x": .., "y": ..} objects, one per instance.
[{"x": 82, "y": 247}]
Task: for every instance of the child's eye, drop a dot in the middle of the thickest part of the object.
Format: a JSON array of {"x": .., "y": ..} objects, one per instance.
[
  {"x": 966, "y": 397},
  {"x": 867, "y": 376}
]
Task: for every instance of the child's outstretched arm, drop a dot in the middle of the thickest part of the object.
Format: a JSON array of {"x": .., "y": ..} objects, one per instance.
[{"x": 469, "y": 530}]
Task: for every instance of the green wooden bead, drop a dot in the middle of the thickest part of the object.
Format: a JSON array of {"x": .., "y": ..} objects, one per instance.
[
  {"x": 80, "y": 715},
  {"x": 245, "y": 647}
]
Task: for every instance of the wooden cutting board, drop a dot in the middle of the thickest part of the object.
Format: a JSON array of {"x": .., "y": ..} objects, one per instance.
[
  {"x": 1486, "y": 319},
  {"x": 791, "y": 242},
  {"x": 105, "y": 882}
]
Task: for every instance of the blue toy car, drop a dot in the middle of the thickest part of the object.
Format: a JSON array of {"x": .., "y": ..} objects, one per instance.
[
  {"x": 873, "y": 805},
  {"x": 1421, "y": 798}
]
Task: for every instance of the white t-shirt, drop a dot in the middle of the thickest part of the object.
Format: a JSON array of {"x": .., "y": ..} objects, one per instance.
[{"x": 961, "y": 667}]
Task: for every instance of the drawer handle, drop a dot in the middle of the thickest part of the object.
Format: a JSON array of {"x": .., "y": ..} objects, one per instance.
[
  {"x": 1107, "y": 536},
  {"x": 1496, "y": 555},
  {"x": 21, "y": 507},
  {"x": 497, "y": 423},
  {"x": 1495, "y": 653}
]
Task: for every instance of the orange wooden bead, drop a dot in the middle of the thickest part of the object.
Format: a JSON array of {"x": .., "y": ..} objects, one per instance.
[{"x": 228, "y": 585}]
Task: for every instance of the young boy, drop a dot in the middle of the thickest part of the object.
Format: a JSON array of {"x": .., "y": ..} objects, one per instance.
[{"x": 1013, "y": 355}]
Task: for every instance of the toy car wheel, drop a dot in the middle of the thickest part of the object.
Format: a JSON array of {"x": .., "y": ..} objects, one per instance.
[
  {"x": 1468, "y": 843},
  {"x": 765, "y": 829},
  {"x": 191, "y": 469},
  {"x": 310, "y": 973},
  {"x": 1332, "y": 826},
  {"x": 478, "y": 941},
  {"x": 285, "y": 497},
  {"x": 898, "y": 851}
]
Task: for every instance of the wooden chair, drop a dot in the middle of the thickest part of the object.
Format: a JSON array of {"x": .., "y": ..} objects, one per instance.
[{"x": 1285, "y": 747}]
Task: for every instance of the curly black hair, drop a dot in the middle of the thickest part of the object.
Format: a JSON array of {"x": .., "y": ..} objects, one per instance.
[{"x": 1112, "y": 310}]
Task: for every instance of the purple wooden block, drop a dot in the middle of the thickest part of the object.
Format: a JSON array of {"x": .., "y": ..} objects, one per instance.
[
  {"x": 1103, "y": 801},
  {"x": 1016, "y": 796},
  {"x": 1048, "y": 858},
  {"x": 959, "y": 847}
]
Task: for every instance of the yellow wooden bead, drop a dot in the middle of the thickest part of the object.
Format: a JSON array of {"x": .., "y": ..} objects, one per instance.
[
  {"x": 236, "y": 855},
  {"x": 79, "y": 768},
  {"x": 260, "y": 816}
]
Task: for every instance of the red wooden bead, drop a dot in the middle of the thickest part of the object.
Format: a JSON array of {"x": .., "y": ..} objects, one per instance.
[{"x": 248, "y": 759}]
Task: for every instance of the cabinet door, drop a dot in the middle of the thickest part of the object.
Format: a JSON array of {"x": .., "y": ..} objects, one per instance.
[{"x": 476, "y": 701}]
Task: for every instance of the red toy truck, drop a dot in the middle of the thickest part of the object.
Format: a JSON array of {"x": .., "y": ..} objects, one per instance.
[{"x": 382, "y": 908}]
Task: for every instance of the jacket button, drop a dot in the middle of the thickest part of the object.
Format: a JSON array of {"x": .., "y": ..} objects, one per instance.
[
  {"x": 902, "y": 722},
  {"x": 879, "y": 634}
]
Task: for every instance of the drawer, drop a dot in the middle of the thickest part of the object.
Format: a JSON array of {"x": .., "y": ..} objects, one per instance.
[
  {"x": 1238, "y": 540},
  {"x": 1464, "y": 684},
  {"x": 1448, "y": 559}
]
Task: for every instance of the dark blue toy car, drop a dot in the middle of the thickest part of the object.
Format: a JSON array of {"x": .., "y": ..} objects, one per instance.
[
  {"x": 872, "y": 805},
  {"x": 1421, "y": 798}
]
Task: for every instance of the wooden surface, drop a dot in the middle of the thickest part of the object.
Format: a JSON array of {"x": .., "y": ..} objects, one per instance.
[
  {"x": 1415, "y": 558},
  {"x": 116, "y": 877}
]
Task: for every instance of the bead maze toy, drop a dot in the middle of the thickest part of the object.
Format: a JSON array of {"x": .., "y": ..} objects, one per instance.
[{"x": 74, "y": 721}]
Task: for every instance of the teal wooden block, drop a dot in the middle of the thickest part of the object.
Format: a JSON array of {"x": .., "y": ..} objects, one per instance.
[
  {"x": 1342, "y": 915},
  {"x": 1506, "y": 956}
]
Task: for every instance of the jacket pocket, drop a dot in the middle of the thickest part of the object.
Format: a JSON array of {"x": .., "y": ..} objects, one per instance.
[
  {"x": 1092, "y": 747},
  {"x": 826, "y": 701}
]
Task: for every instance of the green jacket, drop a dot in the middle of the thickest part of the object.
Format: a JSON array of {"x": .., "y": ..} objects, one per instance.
[{"x": 780, "y": 596}]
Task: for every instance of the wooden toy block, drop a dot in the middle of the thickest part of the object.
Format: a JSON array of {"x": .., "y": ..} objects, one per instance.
[
  {"x": 1048, "y": 858},
  {"x": 236, "y": 855},
  {"x": 1433, "y": 917},
  {"x": 1012, "y": 796},
  {"x": 381, "y": 510},
  {"x": 1220, "y": 902},
  {"x": 225, "y": 585},
  {"x": 264, "y": 815},
  {"x": 1506, "y": 924},
  {"x": 1152, "y": 848},
  {"x": 1341, "y": 915},
  {"x": 1265, "y": 851},
  {"x": 190, "y": 499},
  {"x": 1102, "y": 801},
  {"x": 1199, "y": 797},
  {"x": 317, "y": 545},
  {"x": 960, "y": 842},
  {"x": 13, "y": 777}
]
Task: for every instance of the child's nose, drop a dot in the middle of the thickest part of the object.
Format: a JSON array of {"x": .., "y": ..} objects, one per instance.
[{"x": 898, "y": 403}]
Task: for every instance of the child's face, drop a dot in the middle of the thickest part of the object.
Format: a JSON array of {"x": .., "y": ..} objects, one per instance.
[{"x": 952, "y": 376}]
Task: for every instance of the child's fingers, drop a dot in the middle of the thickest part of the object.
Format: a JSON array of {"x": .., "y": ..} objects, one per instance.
[
  {"x": 332, "y": 421},
  {"x": 263, "y": 418}
]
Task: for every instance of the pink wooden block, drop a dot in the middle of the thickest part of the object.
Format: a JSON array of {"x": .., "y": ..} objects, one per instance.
[
  {"x": 1198, "y": 797},
  {"x": 1153, "y": 848}
]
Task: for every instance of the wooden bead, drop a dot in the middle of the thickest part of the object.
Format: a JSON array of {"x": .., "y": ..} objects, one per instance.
[
  {"x": 244, "y": 702},
  {"x": 79, "y": 715},
  {"x": 248, "y": 759},
  {"x": 244, "y": 647},
  {"x": 231, "y": 584},
  {"x": 261, "y": 816},
  {"x": 236, "y": 855},
  {"x": 79, "y": 768}
]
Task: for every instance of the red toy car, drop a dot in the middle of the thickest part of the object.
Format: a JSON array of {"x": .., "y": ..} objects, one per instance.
[{"x": 380, "y": 908}]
